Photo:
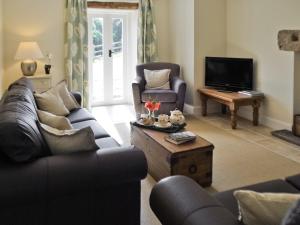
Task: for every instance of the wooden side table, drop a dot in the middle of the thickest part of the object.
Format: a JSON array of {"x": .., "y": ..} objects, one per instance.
[
  {"x": 233, "y": 100},
  {"x": 41, "y": 82}
]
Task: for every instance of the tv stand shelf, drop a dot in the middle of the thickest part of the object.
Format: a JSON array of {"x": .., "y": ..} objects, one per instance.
[{"x": 233, "y": 100}]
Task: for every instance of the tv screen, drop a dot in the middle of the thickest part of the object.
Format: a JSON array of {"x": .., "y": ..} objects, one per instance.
[{"x": 232, "y": 74}]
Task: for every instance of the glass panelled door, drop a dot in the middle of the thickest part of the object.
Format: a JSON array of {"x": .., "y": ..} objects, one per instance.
[{"x": 108, "y": 44}]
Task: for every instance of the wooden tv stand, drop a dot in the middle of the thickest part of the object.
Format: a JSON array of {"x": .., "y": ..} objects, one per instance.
[{"x": 233, "y": 100}]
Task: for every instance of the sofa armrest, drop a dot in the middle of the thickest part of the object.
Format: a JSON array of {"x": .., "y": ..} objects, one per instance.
[
  {"x": 178, "y": 200},
  {"x": 64, "y": 175},
  {"x": 294, "y": 180},
  {"x": 77, "y": 96}
]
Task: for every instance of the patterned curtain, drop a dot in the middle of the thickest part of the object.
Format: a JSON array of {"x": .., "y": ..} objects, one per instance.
[
  {"x": 76, "y": 47},
  {"x": 147, "y": 39}
]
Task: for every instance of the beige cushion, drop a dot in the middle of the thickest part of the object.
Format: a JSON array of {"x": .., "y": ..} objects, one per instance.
[
  {"x": 69, "y": 141},
  {"x": 264, "y": 208},
  {"x": 58, "y": 122},
  {"x": 68, "y": 99},
  {"x": 51, "y": 102},
  {"x": 157, "y": 79}
]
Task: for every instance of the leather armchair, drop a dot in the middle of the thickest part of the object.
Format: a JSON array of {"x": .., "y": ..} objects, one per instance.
[{"x": 170, "y": 99}]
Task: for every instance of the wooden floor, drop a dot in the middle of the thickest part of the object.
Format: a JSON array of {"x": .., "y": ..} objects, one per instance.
[{"x": 241, "y": 157}]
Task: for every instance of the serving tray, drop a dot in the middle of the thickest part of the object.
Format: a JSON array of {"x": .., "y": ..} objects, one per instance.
[{"x": 172, "y": 129}]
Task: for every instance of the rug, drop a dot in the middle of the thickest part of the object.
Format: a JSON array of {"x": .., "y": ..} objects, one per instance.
[{"x": 287, "y": 136}]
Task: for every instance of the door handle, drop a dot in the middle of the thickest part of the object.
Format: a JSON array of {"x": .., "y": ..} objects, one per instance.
[{"x": 110, "y": 52}]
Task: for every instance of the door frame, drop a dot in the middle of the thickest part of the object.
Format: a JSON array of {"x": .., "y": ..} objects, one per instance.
[{"x": 107, "y": 15}]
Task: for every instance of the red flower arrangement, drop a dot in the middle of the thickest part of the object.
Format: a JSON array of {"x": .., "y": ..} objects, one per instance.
[{"x": 152, "y": 106}]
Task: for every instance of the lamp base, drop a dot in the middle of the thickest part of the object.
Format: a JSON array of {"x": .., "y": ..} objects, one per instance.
[{"x": 28, "y": 67}]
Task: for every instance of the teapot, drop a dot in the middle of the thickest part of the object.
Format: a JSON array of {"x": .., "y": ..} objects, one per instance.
[{"x": 177, "y": 117}]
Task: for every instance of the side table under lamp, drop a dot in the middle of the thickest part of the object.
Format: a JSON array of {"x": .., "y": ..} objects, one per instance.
[{"x": 28, "y": 52}]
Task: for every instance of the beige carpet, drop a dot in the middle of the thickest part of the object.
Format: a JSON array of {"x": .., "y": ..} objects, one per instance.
[{"x": 241, "y": 157}]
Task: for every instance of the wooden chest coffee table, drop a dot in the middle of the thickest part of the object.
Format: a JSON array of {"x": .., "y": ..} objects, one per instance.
[{"x": 165, "y": 159}]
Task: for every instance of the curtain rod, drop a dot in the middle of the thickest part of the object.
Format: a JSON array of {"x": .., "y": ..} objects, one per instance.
[{"x": 113, "y": 5}]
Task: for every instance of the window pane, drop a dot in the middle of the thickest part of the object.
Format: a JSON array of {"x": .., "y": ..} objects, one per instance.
[
  {"x": 118, "y": 58},
  {"x": 98, "y": 78}
]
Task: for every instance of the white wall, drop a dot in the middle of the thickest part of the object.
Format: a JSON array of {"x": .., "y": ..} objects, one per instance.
[
  {"x": 210, "y": 36},
  {"x": 197, "y": 29},
  {"x": 1, "y": 49},
  {"x": 33, "y": 20},
  {"x": 181, "y": 41},
  {"x": 252, "y": 28},
  {"x": 161, "y": 14},
  {"x": 43, "y": 21}
]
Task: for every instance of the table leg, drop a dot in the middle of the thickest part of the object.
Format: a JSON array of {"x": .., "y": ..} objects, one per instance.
[
  {"x": 204, "y": 104},
  {"x": 233, "y": 112},
  {"x": 255, "y": 105}
]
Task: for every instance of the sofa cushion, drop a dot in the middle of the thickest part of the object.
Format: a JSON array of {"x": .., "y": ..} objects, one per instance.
[
  {"x": 264, "y": 208},
  {"x": 79, "y": 115},
  {"x": 24, "y": 82},
  {"x": 99, "y": 132},
  {"x": 107, "y": 142},
  {"x": 67, "y": 98},
  {"x": 58, "y": 122},
  {"x": 63, "y": 142},
  {"x": 159, "y": 95},
  {"x": 292, "y": 217},
  {"x": 51, "y": 102},
  {"x": 20, "y": 138},
  {"x": 20, "y": 94},
  {"x": 275, "y": 186}
]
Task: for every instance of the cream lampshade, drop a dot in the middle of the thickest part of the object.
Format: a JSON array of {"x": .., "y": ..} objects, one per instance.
[{"x": 28, "y": 52}]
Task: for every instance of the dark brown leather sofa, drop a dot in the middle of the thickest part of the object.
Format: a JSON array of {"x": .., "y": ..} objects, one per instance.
[
  {"x": 179, "y": 200},
  {"x": 90, "y": 188}
]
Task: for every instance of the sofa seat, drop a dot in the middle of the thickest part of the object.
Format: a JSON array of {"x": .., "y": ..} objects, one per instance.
[
  {"x": 107, "y": 142},
  {"x": 164, "y": 96},
  {"x": 79, "y": 115},
  {"x": 274, "y": 186},
  {"x": 98, "y": 130}
]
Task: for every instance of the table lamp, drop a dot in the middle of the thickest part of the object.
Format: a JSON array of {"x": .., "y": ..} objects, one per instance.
[{"x": 28, "y": 52}]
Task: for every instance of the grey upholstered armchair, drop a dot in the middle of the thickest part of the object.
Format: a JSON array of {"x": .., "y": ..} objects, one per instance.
[{"x": 170, "y": 99}]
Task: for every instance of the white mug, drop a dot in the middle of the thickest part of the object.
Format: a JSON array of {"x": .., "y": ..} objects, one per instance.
[{"x": 163, "y": 119}]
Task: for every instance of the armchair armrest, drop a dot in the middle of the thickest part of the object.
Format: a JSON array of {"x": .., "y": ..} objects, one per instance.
[
  {"x": 178, "y": 200},
  {"x": 179, "y": 86},
  {"x": 137, "y": 88},
  {"x": 77, "y": 96},
  {"x": 63, "y": 175},
  {"x": 138, "y": 83}
]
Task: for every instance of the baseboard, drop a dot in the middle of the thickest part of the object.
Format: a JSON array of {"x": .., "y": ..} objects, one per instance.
[
  {"x": 265, "y": 120},
  {"x": 247, "y": 114},
  {"x": 190, "y": 109},
  {"x": 197, "y": 110}
]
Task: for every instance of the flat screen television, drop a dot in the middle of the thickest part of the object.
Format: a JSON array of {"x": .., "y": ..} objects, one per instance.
[{"x": 230, "y": 74}]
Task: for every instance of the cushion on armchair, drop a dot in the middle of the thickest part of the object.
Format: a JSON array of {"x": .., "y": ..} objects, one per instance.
[{"x": 157, "y": 79}]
